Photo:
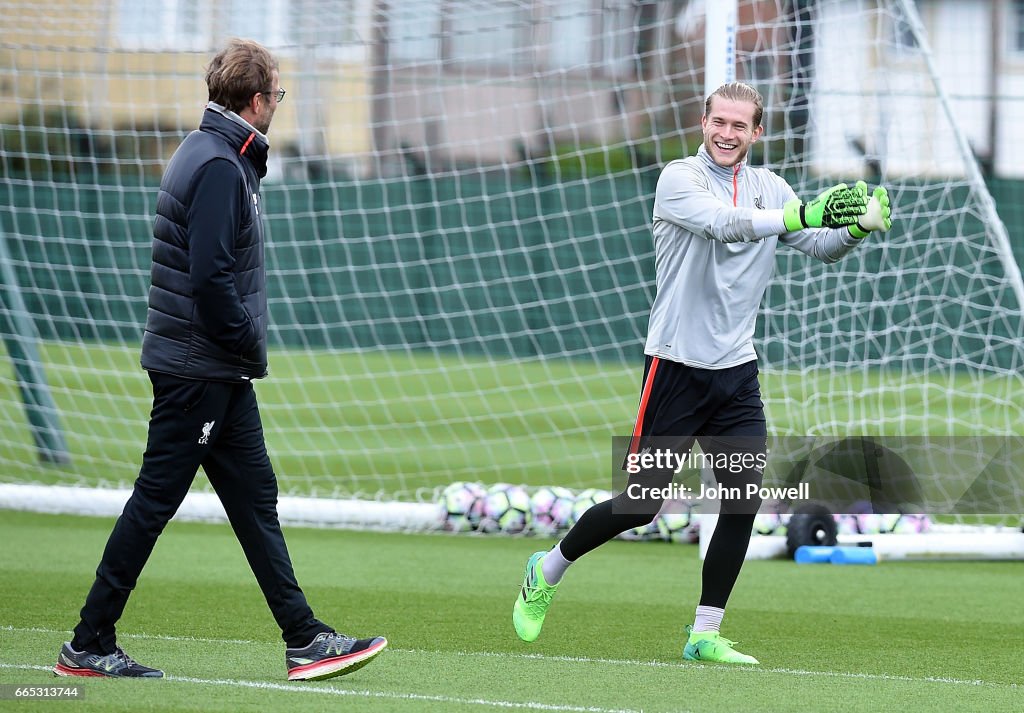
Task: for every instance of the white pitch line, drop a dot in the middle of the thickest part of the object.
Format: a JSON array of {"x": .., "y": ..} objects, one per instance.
[
  {"x": 155, "y": 637},
  {"x": 332, "y": 691},
  {"x": 722, "y": 669},
  {"x": 591, "y": 660}
]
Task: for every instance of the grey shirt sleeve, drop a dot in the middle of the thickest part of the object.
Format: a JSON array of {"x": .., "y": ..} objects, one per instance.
[
  {"x": 684, "y": 197},
  {"x": 825, "y": 244}
]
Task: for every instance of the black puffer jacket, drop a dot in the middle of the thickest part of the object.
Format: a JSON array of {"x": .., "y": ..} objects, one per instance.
[{"x": 207, "y": 314}]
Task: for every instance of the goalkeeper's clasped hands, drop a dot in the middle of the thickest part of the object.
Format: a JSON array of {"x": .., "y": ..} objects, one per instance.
[{"x": 841, "y": 206}]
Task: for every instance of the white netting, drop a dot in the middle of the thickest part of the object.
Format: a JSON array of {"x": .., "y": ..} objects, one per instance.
[{"x": 459, "y": 216}]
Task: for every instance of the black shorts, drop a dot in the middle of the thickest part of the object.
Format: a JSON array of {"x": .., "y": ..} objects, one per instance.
[{"x": 680, "y": 404}]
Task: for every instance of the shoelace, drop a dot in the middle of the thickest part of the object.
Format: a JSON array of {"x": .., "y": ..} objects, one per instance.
[
  {"x": 337, "y": 642},
  {"x": 125, "y": 658},
  {"x": 538, "y": 599},
  {"x": 720, "y": 640}
]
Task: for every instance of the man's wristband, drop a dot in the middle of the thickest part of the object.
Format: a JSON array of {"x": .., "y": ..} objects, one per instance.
[{"x": 857, "y": 231}]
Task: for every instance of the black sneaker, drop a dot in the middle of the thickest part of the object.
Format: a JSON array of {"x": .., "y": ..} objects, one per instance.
[
  {"x": 117, "y": 665},
  {"x": 331, "y": 654}
]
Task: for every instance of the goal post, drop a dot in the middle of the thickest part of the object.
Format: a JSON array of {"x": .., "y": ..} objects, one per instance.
[
  {"x": 458, "y": 210},
  {"x": 945, "y": 540},
  {"x": 20, "y": 339},
  {"x": 1000, "y": 238},
  {"x": 719, "y": 44}
]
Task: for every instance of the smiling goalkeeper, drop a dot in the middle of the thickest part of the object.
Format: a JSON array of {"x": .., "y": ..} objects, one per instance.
[{"x": 717, "y": 224}]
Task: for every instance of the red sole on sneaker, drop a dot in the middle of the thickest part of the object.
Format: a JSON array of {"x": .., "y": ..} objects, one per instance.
[
  {"x": 61, "y": 670},
  {"x": 338, "y": 666}
]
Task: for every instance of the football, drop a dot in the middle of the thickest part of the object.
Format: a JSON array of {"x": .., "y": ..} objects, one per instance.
[
  {"x": 585, "y": 500},
  {"x": 860, "y": 520},
  {"x": 770, "y": 523},
  {"x": 676, "y": 527},
  {"x": 642, "y": 533},
  {"x": 506, "y": 509},
  {"x": 551, "y": 506},
  {"x": 910, "y": 524},
  {"x": 461, "y": 506}
]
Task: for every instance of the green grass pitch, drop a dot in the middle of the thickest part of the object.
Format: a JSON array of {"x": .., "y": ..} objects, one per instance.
[
  {"x": 398, "y": 424},
  {"x": 893, "y": 637}
]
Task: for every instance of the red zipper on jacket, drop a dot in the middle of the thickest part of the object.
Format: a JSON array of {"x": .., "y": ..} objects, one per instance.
[
  {"x": 735, "y": 184},
  {"x": 248, "y": 141}
]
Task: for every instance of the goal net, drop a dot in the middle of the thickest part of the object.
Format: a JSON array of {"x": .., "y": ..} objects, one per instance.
[{"x": 458, "y": 210}]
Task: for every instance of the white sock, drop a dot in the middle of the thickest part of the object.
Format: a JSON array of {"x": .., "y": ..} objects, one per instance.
[
  {"x": 708, "y": 619},
  {"x": 553, "y": 565}
]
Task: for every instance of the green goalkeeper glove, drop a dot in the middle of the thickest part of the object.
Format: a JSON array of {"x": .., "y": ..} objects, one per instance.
[
  {"x": 838, "y": 206},
  {"x": 878, "y": 214}
]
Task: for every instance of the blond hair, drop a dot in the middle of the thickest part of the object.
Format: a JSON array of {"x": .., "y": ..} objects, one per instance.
[{"x": 738, "y": 91}]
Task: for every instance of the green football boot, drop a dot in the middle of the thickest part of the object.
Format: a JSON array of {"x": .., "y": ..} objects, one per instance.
[
  {"x": 533, "y": 600},
  {"x": 711, "y": 647}
]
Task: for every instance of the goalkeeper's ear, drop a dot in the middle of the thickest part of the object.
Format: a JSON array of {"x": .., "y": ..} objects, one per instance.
[{"x": 878, "y": 215}]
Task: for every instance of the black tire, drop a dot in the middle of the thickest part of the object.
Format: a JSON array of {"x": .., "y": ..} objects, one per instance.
[{"x": 811, "y": 524}]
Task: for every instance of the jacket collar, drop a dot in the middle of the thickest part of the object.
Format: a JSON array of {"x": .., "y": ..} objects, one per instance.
[
  {"x": 239, "y": 134},
  {"x": 724, "y": 172}
]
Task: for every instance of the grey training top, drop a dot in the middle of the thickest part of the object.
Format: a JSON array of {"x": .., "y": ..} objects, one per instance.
[{"x": 713, "y": 261}]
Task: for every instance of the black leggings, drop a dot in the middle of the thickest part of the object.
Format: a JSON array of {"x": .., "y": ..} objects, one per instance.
[
  {"x": 726, "y": 551},
  {"x": 678, "y": 402}
]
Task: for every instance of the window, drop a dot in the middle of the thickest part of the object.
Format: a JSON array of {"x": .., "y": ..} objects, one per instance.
[
  {"x": 414, "y": 31},
  {"x": 492, "y": 33},
  {"x": 160, "y": 24},
  {"x": 265, "y": 21},
  {"x": 485, "y": 33},
  {"x": 903, "y": 39},
  {"x": 572, "y": 27},
  {"x": 277, "y": 24},
  {"x": 618, "y": 37},
  {"x": 332, "y": 25},
  {"x": 592, "y": 35},
  {"x": 1016, "y": 25}
]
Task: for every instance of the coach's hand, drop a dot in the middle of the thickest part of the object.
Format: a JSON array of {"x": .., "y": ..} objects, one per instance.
[
  {"x": 878, "y": 215},
  {"x": 838, "y": 206}
]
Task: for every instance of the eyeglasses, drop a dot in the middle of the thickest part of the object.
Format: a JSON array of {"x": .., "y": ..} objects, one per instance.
[{"x": 279, "y": 94}]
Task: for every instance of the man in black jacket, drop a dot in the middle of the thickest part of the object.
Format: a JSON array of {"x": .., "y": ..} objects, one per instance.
[{"x": 205, "y": 341}]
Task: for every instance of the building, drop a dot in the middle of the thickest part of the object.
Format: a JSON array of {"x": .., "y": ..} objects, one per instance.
[{"x": 375, "y": 86}]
